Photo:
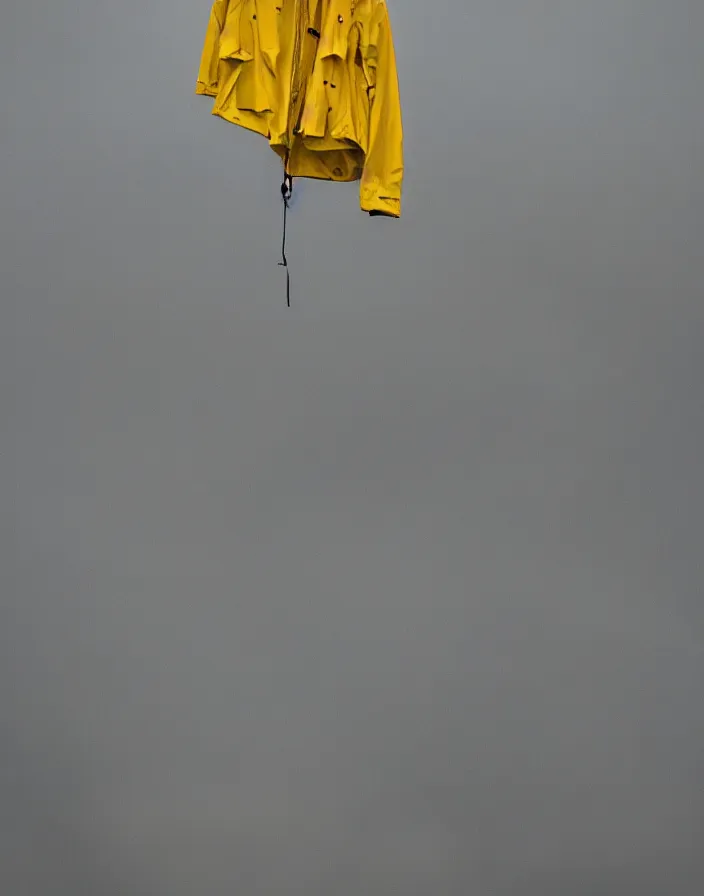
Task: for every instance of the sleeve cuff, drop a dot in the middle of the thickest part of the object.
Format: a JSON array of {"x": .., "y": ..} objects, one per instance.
[{"x": 382, "y": 206}]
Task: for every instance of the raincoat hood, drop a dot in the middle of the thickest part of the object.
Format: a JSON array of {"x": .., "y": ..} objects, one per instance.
[{"x": 318, "y": 79}]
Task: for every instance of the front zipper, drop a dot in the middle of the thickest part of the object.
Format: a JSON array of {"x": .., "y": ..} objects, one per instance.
[
  {"x": 297, "y": 76},
  {"x": 295, "y": 72}
]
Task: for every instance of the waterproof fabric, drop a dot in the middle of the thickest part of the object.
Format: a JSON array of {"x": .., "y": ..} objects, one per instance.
[{"x": 318, "y": 79}]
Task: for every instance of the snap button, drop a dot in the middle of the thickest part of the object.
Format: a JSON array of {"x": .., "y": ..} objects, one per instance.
[
  {"x": 337, "y": 172},
  {"x": 340, "y": 19}
]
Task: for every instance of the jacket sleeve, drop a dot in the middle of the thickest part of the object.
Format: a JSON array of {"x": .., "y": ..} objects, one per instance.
[
  {"x": 207, "y": 83},
  {"x": 381, "y": 182}
]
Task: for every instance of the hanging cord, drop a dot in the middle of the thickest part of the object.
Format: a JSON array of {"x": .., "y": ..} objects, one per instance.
[{"x": 286, "y": 193}]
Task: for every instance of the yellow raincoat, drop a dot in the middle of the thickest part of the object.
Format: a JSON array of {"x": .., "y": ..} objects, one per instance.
[{"x": 318, "y": 79}]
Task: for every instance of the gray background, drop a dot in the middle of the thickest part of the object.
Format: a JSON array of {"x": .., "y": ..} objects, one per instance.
[{"x": 399, "y": 591}]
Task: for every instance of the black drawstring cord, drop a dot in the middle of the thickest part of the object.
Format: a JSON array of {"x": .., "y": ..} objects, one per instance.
[{"x": 286, "y": 193}]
